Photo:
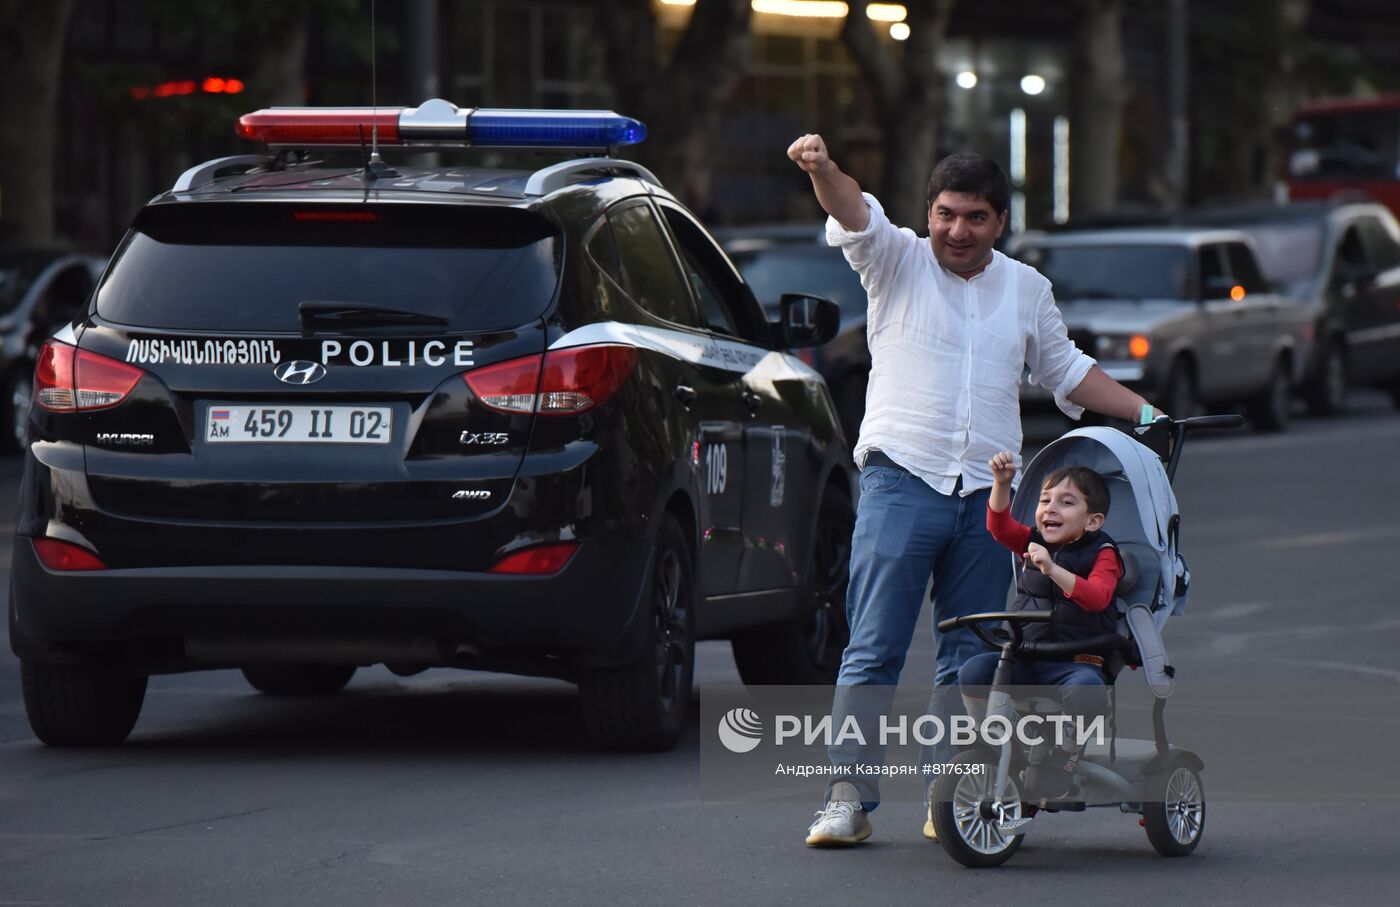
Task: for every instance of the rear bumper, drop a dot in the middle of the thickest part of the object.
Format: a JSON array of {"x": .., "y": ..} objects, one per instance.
[{"x": 585, "y": 615}]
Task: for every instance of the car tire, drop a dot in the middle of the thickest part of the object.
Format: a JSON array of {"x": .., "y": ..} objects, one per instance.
[
  {"x": 1179, "y": 398},
  {"x": 16, "y": 393},
  {"x": 81, "y": 705},
  {"x": 1271, "y": 410},
  {"x": 1327, "y": 392},
  {"x": 807, "y": 648},
  {"x": 299, "y": 679},
  {"x": 642, "y": 707}
]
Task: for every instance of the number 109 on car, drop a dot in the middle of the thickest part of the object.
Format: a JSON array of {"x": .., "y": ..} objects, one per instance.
[{"x": 298, "y": 424}]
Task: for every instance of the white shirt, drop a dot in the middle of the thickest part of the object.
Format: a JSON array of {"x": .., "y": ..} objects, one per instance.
[{"x": 947, "y": 354}]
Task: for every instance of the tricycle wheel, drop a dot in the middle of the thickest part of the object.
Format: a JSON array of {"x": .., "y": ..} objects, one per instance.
[
  {"x": 965, "y": 817},
  {"x": 1175, "y": 813}
]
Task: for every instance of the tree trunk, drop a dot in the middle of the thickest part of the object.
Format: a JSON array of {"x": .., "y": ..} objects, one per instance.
[
  {"x": 1096, "y": 108},
  {"x": 679, "y": 101},
  {"x": 31, "y": 56},
  {"x": 909, "y": 94}
]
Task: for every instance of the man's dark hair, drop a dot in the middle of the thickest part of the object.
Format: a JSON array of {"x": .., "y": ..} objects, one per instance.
[
  {"x": 1089, "y": 483},
  {"x": 972, "y": 174}
]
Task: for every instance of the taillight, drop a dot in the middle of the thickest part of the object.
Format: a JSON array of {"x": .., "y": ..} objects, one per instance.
[
  {"x": 67, "y": 379},
  {"x": 59, "y": 555},
  {"x": 539, "y": 561},
  {"x": 560, "y": 383},
  {"x": 509, "y": 386}
]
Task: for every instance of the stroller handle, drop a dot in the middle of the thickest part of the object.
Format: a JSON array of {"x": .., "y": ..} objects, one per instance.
[
  {"x": 975, "y": 622},
  {"x": 1166, "y": 436}
]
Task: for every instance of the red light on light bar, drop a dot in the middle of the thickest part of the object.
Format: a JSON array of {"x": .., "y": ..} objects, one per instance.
[
  {"x": 321, "y": 126},
  {"x": 59, "y": 555},
  {"x": 214, "y": 85},
  {"x": 140, "y": 92},
  {"x": 539, "y": 561},
  {"x": 335, "y": 216},
  {"x": 233, "y": 86}
]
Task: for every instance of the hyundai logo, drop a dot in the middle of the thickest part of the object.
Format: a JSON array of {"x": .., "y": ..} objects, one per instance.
[{"x": 299, "y": 372}]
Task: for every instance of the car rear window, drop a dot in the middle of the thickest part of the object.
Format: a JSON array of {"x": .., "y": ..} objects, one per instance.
[
  {"x": 1107, "y": 271},
  {"x": 247, "y": 267}
]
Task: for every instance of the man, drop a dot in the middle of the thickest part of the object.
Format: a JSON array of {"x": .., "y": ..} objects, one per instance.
[{"x": 951, "y": 323}]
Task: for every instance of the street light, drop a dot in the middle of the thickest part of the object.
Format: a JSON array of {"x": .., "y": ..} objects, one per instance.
[
  {"x": 1033, "y": 84},
  {"x": 967, "y": 79}
]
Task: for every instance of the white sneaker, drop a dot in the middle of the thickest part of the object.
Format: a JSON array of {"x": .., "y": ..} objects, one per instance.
[{"x": 843, "y": 822}]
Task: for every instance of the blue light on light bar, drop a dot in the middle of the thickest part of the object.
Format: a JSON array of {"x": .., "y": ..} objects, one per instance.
[{"x": 553, "y": 129}]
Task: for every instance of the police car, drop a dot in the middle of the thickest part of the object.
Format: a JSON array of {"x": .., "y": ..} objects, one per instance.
[{"x": 316, "y": 418}]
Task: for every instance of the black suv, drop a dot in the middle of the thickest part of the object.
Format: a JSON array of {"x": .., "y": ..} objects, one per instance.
[{"x": 525, "y": 421}]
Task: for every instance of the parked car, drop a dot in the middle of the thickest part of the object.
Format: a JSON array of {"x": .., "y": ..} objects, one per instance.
[
  {"x": 319, "y": 417},
  {"x": 1182, "y": 315},
  {"x": 1343, "y": 262},
  {"x": 40, "y": 290},
  {"x": 794, "y": 258}
]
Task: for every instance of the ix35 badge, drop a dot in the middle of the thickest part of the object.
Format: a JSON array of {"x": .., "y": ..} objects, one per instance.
[
  {"x": 485, "y": 438},
  {"x": 300, "y": 372}
]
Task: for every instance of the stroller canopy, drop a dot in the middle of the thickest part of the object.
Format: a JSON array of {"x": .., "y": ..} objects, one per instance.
[{"x": 1141, "y": 509}]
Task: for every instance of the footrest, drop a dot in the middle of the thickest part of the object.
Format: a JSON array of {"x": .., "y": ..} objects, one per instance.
[{"x": 1013, "y": 827}]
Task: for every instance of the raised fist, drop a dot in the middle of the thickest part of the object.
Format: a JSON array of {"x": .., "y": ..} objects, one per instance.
[{"x": 809, "y": 153}]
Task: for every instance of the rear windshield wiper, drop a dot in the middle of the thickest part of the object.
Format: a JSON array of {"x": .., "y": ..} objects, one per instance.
[{"x": 356, "y": 313}]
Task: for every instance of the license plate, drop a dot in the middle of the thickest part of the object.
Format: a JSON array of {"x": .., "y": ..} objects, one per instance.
[{"x": 298, "y": 424}]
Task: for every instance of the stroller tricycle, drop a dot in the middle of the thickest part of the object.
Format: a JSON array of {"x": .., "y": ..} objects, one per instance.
[{"x": 982, "y": 816}]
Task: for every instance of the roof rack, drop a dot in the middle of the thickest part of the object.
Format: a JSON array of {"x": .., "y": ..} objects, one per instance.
[
  {"x": 205, "y": 173},
  {"x": 557, "y": 176}
]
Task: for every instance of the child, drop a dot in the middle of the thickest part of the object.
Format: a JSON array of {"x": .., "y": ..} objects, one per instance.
[{"x": 1072, "y": 570}]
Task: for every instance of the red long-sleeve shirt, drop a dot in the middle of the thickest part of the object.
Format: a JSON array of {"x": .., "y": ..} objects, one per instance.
[{"x": 1093, "y": 592}]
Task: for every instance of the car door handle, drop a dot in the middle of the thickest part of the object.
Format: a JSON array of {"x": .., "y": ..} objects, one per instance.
[
  {"x": 686, "y": 394},
  {"x": 753, "y": 401}
]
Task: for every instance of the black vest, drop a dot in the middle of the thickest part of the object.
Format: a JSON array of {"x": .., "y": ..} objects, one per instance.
[{"x": 1037, "y": 592}]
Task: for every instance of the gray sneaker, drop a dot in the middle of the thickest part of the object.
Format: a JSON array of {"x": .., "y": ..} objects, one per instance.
[{"x": 843, "y": 822}]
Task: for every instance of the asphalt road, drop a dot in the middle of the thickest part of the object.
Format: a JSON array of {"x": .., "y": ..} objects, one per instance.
[{"x": 456, "y": 788}]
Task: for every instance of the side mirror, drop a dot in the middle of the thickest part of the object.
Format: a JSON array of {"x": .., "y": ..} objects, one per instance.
[{"x": 806, "y": 321}]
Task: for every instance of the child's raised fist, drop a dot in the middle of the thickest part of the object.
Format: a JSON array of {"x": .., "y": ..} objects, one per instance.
[{"x": 1003, "y": 468}]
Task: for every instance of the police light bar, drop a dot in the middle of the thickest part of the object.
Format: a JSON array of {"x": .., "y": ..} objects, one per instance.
[{"x": 439, "y": 124}]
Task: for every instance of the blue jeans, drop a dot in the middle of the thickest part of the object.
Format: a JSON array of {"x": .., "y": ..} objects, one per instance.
[
  {"x": 1083, "y": 689},
  {"x": 904, "y": 531}
]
